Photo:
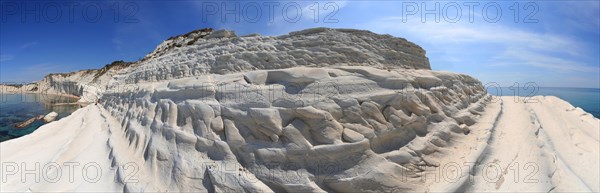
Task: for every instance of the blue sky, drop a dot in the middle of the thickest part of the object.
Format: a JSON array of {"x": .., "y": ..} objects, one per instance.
[{"x": 551, "y": 43}]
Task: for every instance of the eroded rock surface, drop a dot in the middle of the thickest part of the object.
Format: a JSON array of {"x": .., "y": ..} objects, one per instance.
[
  {"x": 343, "y": 129},
  {"x": 319, "y": 110}
]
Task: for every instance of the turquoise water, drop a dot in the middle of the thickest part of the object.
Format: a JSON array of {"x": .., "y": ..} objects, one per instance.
[
  {"x": 586, "y": 98},
  {"x": 16, "y": 108}
]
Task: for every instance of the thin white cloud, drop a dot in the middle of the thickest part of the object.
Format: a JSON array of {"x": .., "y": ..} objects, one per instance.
[
  {"x": 118, "y": 44},
  {"x": 548, "y": 61},
  {"x": 582, "y": 14},
  {"x": 28, "y": 45},
  {"x": 493, "y": 45},
  {"x": 6, "y": 58},
  {"x": 458, "y": 33},
  {"x": 9, "y": 57},
  {"x": 46, "y": 67},
  {"x": 31, "y": 73},
  {"x": 38, "y": 71}
]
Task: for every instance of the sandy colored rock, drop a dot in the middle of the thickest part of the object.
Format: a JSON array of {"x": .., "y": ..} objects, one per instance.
[
  {"x": 50, "y": 117},
  {"x": 352, "y": 136}
]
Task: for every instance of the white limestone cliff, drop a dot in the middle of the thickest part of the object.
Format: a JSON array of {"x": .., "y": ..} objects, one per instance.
[{"x": 320, "y": 110}]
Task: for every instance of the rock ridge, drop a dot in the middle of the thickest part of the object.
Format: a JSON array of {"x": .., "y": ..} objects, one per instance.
[{"x": 221, "y": 52}]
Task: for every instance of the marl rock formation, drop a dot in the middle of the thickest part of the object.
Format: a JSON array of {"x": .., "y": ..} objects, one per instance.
[{"x": 319, "y": 110}]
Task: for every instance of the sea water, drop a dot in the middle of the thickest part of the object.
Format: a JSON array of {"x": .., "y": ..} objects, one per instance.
[
  {"x": 16, "y": 108},
  {"x": 587, "y": 99}
]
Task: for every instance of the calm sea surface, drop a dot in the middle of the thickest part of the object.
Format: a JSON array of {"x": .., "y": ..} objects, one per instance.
[
  {"x": 586, "y": 98},
  {"x": 16, "y": 108}
]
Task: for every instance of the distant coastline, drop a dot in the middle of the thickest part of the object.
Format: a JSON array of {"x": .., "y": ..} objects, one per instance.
[
  {"x": 587, "y": 99},
  {"x": 27, "y": 89}
]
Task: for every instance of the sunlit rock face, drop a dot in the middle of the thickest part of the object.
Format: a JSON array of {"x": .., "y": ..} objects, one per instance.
[
  {"x": 313, "y": 111},
  {"x": 319, "y": 110},
  {"x": 222, "y": 52}
]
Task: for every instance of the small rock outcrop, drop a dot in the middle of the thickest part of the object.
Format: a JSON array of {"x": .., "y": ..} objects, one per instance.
[
  {"x": 28, "y": 122},
  {"x": 50, "y": 117},
  {"x": 222, "y": 52}
]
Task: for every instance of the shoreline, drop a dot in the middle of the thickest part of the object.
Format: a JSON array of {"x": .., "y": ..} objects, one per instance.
[
  {"x": 47, "y": 100},
  {"x": 10, "y": 89},
  {"x": 54, "y": 99},
  {"x": 45, "y": 94}
]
